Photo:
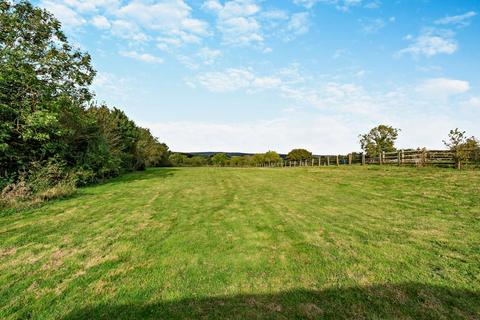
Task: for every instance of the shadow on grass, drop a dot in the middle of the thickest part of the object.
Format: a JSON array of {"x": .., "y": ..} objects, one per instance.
[
  {"x": 151, "y": 173},
  {"x": 405, "y": 301}
]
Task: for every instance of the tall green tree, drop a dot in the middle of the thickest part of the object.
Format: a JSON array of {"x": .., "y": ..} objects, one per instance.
[
  {"x": 379, "y": 139},
  {"x": 43, "y": 87}
]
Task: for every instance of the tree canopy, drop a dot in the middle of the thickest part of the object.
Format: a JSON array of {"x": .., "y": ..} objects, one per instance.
[
  {"x": 299, "y": 155},
  {"x": 46, "y": 106},
  {"x": 379, "y": 139},
  {"x": 462, "y": 146}
]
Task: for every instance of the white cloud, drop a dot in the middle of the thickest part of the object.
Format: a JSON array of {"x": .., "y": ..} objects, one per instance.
[
  {"x": 298, "y": 24},
  {"x": 133, "y": 20},
  {"x": 128, "y": 30},
  {"x": 371, "y": 26},
  {"x": 118, "y": 88},
  {"x": 64, "y": 14},
  {"x": 164, "y": 16},
  {"x": 145, "y": 57},
  {"x": 236, "y": 79},
  {"x": 373, "y": 5},
  {"x": 237, "y": 21},
  {"x": 88, "y": 6},
  {"x": 461, "y": 20},
  {"x": 472, "y": 102},
  {"x": 101, "y": 22},
  {"x": 342, "y": 5},
  {"x": 441, "y": 88},
  {"x": 275, "y": 14},
  {"x": 430, "y": 43},
  {"x": 205, "y": 56},
  {"x": 209, "y": 55}
]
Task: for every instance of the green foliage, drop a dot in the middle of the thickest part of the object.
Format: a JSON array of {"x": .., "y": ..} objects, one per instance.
[
  {"x": 43, "y": 181},
  {"x": 178, "y": 160},
  {"x": 271, "y": 157},
  {"x": 299, "y": 155},
  {"x": 379, "y": 139},
  {"x": 236, "y": 161},
  {"x": 464, "y": 148},
  {"x": 220, "y": 159},
  {"x": 46, "y": 108}
]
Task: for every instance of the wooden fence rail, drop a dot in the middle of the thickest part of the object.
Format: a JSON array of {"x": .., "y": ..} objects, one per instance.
[{"x": 419, "y": 158}]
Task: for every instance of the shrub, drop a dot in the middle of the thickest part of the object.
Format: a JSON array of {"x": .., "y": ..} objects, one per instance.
[{"x": 42, "y": 182}]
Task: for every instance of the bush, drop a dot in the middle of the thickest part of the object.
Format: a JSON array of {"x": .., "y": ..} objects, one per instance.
[{"x": 42, "y": 182}]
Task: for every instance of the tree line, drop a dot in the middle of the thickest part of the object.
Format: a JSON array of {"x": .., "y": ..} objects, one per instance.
[
  {"x": 53, "y": 135},
  {"x": 374, "y": 143}
]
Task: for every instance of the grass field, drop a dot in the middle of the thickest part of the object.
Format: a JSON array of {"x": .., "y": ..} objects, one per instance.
[{"x": 351, "y": 242}]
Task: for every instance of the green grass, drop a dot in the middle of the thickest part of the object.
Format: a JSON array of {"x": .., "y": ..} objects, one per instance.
[{"x": 349, "y": 242}]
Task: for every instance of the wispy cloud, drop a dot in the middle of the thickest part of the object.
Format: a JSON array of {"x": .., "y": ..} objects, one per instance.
[
  {"x": 371, "y": 26},
  {"x": 237, "y": 21},
  {"x": 144, "y": 57},
  {"x": 67, "y": 15},
  {"x": 460, "y": 20},
  {"x": 137, "y": 21},
  {"x": 298, "y": 24},
  {"x": 342, "y": 5},
  {"x": 442, "y": 88},
  {"x": 431, "y": 42}
]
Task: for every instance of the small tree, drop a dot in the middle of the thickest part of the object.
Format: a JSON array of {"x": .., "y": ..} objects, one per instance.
[
  {"x": 299, "y": 155},
  {"x": 236, "y": 161},
  {"x": 463, "y": 148},
  {"x": 178, "y": 159},
  {"x": 272, "y": 157},
  {"x": 220, "y": 159},
  {"x": 258, "y": 159},
  {"x": 198, "y": 161},
  {"x": 379, "y": 139}
]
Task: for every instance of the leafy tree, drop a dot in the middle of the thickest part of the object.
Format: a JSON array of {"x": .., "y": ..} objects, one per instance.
[
  {"x": 43, "y": 86},
  {"x": 149, "y": 150},
  {"x": 463, "y": 147},
  {"x": 236, "y": 161},
  {"x": 198, "y": 161},
  {"x": 220, "y": 159},
  {"x": 299, "y": 155},
  {"x": 271, "y": 157},
  {"x": 47, "y": 117},
  {"x": 379, "y": 139},
  {"x": 247, "y": 160},
  {"x": 258, "y": 159},
  {"x": 178, "y": 159}
]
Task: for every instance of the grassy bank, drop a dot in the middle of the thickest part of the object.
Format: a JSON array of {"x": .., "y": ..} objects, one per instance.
[{"x": 352, "y": 242}]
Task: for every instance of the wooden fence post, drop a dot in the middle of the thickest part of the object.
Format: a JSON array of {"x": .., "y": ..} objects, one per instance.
[
  {"x": 350, "y": 158},
  {"x": 313, "y": 161},
  {"x": 398, "y": 158},
  {"x": 424, "y": 157},
  {"x": 363, "y": 158},
  {"x": 328, "y": 160},
  {"x": 402, "y": 157},
  {"x": 319, "y": 161},
  {"x": 338, "y": 162}
]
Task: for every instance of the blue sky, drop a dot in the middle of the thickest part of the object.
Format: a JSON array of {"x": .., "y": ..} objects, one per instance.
[{"x": 258, "y": 75}]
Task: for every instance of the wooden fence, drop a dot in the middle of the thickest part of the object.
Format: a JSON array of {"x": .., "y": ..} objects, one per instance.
[{"x": 419, "y": 158}]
